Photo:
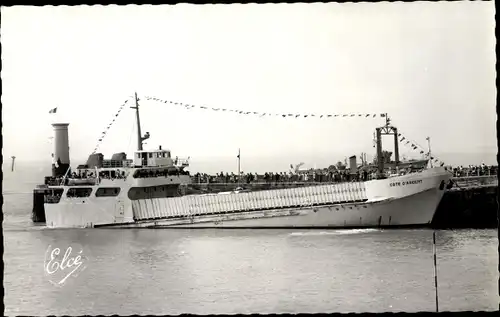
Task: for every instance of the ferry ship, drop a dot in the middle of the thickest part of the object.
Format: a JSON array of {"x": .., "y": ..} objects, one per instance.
[{"x": 151, "y": 190}]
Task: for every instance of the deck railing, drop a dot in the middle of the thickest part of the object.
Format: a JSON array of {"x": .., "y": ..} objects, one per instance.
[
  {"x": 476, "y": 181},
  {"x": 117, "y": 163}
]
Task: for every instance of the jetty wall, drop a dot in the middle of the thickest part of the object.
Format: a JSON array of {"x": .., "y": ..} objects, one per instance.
[{"x": 473, "y": 205}]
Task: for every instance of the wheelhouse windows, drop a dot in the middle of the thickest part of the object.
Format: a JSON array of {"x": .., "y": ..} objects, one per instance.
[
  {"x": 79, "y": 192},
  {"x": 107, "y": 192},
  {"x": 161, "y": 172},
  {"x": 53, "y": 196}
]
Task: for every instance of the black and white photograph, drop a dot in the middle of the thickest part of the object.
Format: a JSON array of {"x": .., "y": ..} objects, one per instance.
[{"x": 278, "y": 158}]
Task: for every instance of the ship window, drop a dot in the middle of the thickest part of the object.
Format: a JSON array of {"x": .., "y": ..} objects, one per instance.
[
  {"x": 150, "y": 155},
  {"x": 107, "y": 192},
  {"x": 53, "y": 196},
  {"x": 79, "y": 192},
  {"x": 168, "y": 154}
]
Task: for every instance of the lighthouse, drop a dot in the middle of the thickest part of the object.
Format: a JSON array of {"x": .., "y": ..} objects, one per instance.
[{"x": 60, "y": 163}]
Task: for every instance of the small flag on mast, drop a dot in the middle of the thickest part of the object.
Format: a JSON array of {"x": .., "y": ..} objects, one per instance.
[
  {"x": 238, "y": 153},
  {"x": 53, "y": 110}
]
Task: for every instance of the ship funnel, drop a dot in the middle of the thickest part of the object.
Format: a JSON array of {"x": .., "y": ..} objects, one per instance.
[
  {"x": 353, "y": 165},
  {"x": 60, "y": 163}
]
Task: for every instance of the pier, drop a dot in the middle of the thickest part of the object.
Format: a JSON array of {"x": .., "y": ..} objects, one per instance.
[{"x": 471, "y": 203}]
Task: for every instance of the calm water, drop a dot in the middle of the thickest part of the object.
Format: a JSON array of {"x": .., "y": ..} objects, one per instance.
[{"x": 239, "y": 271}]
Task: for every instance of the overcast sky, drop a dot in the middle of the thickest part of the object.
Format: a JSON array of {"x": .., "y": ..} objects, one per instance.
[{"x": 431, "y": 66}]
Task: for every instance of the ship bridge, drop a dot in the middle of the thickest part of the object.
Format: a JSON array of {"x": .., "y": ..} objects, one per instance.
[{"x": 155, "y": 158}]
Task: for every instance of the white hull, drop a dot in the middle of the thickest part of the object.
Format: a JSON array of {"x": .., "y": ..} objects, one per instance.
[
  {"x": 413, "y": 210},
  {"x": 399, "y": 201}
]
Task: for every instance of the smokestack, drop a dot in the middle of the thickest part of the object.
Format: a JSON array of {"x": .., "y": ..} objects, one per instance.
[
  {"x": 60, "y": 163},
  {"x": 396, "y": 146},
  {"x": 160, "y": 147},
  {"x": 353, "y": 165},
  {"x": 380, "y": 159}
]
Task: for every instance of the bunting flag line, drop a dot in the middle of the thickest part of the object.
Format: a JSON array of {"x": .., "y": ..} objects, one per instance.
[
  {"x": 414, "y": 146},
  {"x": 266, "y": 114},
  {"x": 103, "y": 133},
  {"x": 417, "y": 147}
]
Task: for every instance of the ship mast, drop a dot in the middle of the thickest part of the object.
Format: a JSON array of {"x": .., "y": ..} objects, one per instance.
[
  {"x": 140, "y": 138},
  {"x": 387, "y": 129}
]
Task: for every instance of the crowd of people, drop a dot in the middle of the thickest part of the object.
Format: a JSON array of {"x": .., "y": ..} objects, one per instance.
[
  {"x": 326, "y": 176},
  {"x": 319, "y": 176},
  {"x": 474, "y": 170}
]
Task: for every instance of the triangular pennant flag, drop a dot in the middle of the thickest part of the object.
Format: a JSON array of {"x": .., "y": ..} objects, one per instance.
[
  {"x": 329, "y": 115},
  {"x": 321, "y": 116},
  {"x": 367, "y": 116},
  {"x": 298, "y": 115},
  {"x": 374, "y": 115},
  {"x": 305, "y": 116},
  {"x": 352, "y": 115}
]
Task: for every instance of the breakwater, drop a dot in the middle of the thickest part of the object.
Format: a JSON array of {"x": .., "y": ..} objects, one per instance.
[{"x": 470, "y": 204}]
